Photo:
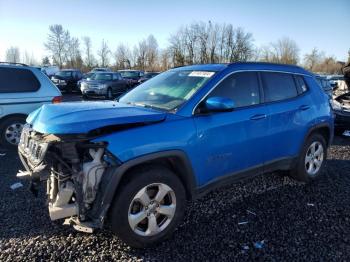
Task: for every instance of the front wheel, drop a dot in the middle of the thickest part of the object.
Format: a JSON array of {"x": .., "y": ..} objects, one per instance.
[
  {"x": 311, "y": 161},
  {"x": 149, "y": 206}
]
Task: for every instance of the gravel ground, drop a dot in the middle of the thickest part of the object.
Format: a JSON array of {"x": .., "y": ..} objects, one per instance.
[{"x": 292, "y": 221}]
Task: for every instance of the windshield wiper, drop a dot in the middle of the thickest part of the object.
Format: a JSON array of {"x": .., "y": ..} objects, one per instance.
[{"x": 146, "y": 106}]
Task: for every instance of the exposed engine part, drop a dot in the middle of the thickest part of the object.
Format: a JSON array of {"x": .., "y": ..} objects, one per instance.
[
  {"x": 62, "y": 211},
  {"x": 92, "y": 175},
  {"x": 60, "y": 196},
  {"x": 64, "y": 195}
]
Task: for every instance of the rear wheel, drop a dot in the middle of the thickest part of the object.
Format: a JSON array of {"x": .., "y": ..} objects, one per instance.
[
  {"x": 312, "y": 159},
  {"x": 149, "y": 206},
  {"x": 10, "y": 131}
]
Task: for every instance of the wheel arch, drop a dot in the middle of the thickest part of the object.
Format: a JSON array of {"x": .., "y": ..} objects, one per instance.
[
  {"x": 176, "y": 160},
  {"x": 12, "y": 115},
  {"x": 322, "y": 129}
]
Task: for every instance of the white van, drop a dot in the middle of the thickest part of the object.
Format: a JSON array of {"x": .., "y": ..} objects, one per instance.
[{"x": 22, "y": 90}]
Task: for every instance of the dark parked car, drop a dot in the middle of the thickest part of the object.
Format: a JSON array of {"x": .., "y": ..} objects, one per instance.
[
  {"x": 100, "y": 69},
  {"x": 341, "y": 104},
  {"x": 133, "y": 76},
  {"x": 107, "y": 84},
  {"x": 147, "y": 76},
  {"x": 341, "y": 109},
  {"x": 86, "y": 76},
  {"x": 325, "y": 84},
  {"x": 67, "y": 79}
]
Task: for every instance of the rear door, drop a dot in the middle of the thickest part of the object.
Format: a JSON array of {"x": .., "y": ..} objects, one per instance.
[
  {"x": 118, "y": 83},
  {"x": 288, "y": 107},
  {"x": 230, "y": 143}
]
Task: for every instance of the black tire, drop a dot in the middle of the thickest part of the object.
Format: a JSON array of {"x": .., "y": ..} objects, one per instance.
[
  {"x": 299, "y": 171},
  {"x": 136, "y": 180},
  {"x": 5, "y": 125},
  {"x": 109, "y": 94}
]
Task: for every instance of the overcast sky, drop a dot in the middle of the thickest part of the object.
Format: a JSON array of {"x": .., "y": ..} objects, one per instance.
[{"x": 324, "y": 24}]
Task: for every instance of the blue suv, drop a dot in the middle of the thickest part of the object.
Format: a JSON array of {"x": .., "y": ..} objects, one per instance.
[{"x": 134, "y": 162}]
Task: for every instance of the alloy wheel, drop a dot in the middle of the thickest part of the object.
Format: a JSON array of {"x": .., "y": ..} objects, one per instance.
[
  {"x": 152, "y": 209},
  {"x": 314, "y": 158}
]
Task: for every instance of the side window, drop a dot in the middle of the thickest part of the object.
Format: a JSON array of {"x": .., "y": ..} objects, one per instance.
[
  {"x": 115, "y": 77},
  {"x": 242, "y": 88},
  {"x": 301, "y": 85},
  {"x": 278, "y": 86},
  {"x": 15, "y": 80}
]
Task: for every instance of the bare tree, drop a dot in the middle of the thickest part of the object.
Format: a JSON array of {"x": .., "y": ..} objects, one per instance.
[
  {"x": 165, "y": 57},
  {"x": 73, "y": 55},
  {"x": 57, "y": 43},
  {"x": 141, "y": 52},
  {"x": 243, "y": 49},
  {"x": 122, "y": 57},
  {"x": 151, "y": 53},
  {"x": 13, "y": 54},
  {"x": 177, "y": 49},
  {"x": 89, "y": 57},
  {"x": 313, "y": 59},
  {"x": 285, "y": 51},
  {"x": 104, "y": 53}
]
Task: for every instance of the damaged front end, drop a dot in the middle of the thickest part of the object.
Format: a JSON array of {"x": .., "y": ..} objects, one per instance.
[{"x": 73, "y": 168}]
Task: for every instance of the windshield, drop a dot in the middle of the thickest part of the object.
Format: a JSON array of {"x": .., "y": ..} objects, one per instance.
[
  {"x": 64, "y": 73},
  {"x": 101, "y": 76},
  {"x": 88, "y": 75},
  {"x": 150, "y": 75},
  {"x": 129, "y": 74},
  {"x": 168, "y": 90}
]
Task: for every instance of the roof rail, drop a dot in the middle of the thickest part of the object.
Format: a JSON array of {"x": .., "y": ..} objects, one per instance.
[{"x": 10, "y": 63}]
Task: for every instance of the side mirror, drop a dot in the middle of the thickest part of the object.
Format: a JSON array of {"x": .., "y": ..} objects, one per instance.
[{"x": 219, "y": 104}]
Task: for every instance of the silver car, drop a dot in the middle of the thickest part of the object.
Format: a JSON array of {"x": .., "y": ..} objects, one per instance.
[{"x": 23, "y": 89}]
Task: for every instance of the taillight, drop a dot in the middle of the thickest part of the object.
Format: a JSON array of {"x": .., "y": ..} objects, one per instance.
[{"x": 57, "y": 99}]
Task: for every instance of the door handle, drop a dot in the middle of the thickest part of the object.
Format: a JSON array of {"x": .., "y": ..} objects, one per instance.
[
  {"x": 258, "y": 117},
  {"x": 304, "y": 107}
]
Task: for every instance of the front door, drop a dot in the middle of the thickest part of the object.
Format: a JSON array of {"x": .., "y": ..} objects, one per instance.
[{"x": 232, "y": 143}]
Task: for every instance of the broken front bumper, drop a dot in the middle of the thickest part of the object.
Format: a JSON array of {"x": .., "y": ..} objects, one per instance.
[{"x": 32, "y": 151}]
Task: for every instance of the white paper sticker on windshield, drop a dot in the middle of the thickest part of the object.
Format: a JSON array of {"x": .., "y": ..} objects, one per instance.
[{"x": 201, "y": 74}]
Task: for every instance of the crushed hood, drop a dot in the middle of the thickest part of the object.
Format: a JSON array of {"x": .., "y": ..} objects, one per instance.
[{"x": 82, "y": 117}]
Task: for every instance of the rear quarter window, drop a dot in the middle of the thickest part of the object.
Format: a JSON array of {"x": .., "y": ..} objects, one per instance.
[
  {"x": 17, "y": 80},
  {"x": 278, "y": 86},
  {"x": 301, "y": 84}
]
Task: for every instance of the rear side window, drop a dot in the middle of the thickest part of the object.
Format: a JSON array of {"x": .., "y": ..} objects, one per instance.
[
  {"x": 278, "y": 86},
  {"x": 301, "y": 85},
  {"x": 16, "y": 80},
  {"x": 242, "y": 88}
]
